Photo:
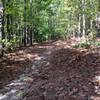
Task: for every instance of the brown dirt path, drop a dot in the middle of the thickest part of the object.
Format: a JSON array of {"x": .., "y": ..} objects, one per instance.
[{"x": 68, "y": 74}]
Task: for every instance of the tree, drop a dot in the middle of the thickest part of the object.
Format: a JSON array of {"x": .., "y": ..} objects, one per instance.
[{"x": 28, "y": 21}]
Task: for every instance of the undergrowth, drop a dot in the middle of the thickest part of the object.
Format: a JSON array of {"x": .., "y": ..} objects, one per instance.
[
  {"x": 87, "y": 44},
  {"x": 82, "y": 45}
]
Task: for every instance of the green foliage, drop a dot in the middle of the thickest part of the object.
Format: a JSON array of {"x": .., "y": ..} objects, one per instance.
[
  {"x": 97, "y": 43},
  {"x": 42, "y": 20},
  {"x": 83, "y": 45},
  {"x": 10, "y": 45},
  {"x": 87, "y": 44}
]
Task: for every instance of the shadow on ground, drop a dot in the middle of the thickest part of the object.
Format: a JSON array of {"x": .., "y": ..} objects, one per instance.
[
  {"x": 70, "y": 75},
  {"x": 14, "y": 64}
]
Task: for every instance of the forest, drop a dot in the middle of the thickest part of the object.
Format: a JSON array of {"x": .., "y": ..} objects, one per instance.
[{"x": 49, "y": 49}]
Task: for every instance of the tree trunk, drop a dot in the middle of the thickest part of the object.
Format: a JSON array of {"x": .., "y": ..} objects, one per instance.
[
  {"x": 2, "y": 33},
  {"x": 24, "y": 37},
  {"x": 79, "y": 18},
  {"x": 31, "y": 37},
  {"x": 83, "y": 16}
]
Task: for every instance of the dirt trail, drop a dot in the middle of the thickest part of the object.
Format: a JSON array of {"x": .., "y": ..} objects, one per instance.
[
  {"x": 58, "y": 72},
  {"x": 70, "y": 75},
  {"x": 18, "y": 87}
]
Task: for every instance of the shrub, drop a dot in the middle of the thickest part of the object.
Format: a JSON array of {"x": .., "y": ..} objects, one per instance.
[{"x": 86, "y": 44}]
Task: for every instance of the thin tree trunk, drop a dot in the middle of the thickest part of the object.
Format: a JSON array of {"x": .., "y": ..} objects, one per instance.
[
  {"x": 31, "y": 37},
  {"x": 8, "y": 23},
  {"x": 83, "y": 16},
  {"x": 79, "y": 25},
  {"x": 2, "y": 27},
  {"x": 79, "y": 18},
  {"x": 24, "y": 37},
  {"x": 92, "y": 9}
]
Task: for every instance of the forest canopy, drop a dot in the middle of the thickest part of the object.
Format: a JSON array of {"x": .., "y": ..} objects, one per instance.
[{"x": 28, "y": 21}]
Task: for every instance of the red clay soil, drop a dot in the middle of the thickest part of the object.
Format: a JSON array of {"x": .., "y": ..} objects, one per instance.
[{"x": 69, "y": 76}]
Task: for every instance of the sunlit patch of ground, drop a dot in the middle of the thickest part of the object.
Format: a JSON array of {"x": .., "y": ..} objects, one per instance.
[
  {"x": 18, "y": 87},
  {"x": 70, "y": 75},
  {"x": 14, "y": 64},
  {"x": 51, "y": 76}
]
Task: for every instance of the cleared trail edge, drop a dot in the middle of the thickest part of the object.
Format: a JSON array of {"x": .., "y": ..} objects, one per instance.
[{"x": 18, "y": 88}]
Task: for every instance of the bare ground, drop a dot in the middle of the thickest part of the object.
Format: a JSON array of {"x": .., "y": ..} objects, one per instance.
[{"x": 70, "y": 74}]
